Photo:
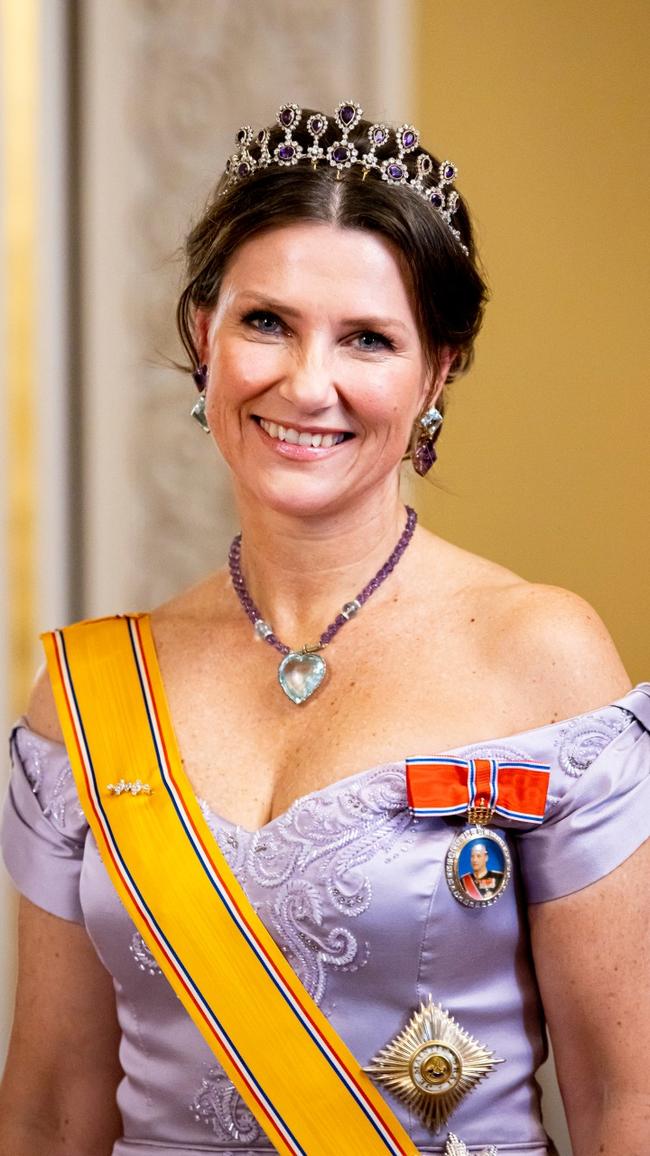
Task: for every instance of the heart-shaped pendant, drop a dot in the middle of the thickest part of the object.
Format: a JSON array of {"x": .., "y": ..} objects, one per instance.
[{"x": 300, "y": 675}]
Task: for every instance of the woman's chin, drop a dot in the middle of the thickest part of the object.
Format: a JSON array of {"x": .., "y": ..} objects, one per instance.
[{"x": 303, "y": 502}]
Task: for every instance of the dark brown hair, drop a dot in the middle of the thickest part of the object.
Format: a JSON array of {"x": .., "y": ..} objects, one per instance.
[{"x": 448, "y": 290}]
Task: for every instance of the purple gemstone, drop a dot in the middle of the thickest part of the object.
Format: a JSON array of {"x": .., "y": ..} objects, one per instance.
[
  {"x": 436, "y": 199},
  {"x": 449, "y": 172},
  {"x": 408, "y": 139},
  {"x": 286, "y": 152},
  {"x": 395, "y": 172},
  {"x": 347, "y": 114},
  {"x": 341, "y": 154},
  {"x": 425, "y": 456},
  {"x": 316, "y": 124},
  {"x": 287, "y": 117},
  {"x": 244, "y": 169},
  {"x": 379, "y": 136}
]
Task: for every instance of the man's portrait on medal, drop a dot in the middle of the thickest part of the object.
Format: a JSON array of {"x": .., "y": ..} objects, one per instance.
[{"x": 481, "y": 868}]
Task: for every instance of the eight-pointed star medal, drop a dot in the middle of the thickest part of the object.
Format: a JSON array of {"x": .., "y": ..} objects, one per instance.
[{"x": 431, "y": 1064}]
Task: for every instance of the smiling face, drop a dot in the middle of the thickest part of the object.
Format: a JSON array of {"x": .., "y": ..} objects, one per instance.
[{"x": 316, "y": 367}]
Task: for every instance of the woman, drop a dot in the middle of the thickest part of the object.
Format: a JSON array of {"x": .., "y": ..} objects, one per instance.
[{"x": 333, "y": 294}]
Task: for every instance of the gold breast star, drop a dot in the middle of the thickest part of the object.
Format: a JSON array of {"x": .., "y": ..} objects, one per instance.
[{"x": 431, "y": 1064}]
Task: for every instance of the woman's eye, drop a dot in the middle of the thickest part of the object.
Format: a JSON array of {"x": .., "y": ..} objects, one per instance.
[
  {"x": 370, "y": 341},
  {"x": 263, "y": 321}
]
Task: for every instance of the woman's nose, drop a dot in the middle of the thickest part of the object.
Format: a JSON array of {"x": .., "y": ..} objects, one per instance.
[{"x": 309, "y": 384}]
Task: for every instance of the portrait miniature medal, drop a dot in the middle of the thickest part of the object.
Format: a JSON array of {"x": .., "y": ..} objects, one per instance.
[{"x": 478, "y": 865}]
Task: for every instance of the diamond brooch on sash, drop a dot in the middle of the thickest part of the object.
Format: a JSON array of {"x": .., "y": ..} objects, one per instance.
[
  {"x": 127, "y": 787},
  {"x": 431, "y": 1064}
]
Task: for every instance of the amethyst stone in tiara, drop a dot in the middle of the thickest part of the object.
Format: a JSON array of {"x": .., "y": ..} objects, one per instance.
[
  {"x": 433, "y": 186},
  {"x": 316, "y": 125}
]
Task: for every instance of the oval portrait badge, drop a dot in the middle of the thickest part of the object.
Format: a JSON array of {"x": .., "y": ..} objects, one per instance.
[{"x": 478, "y": 867}]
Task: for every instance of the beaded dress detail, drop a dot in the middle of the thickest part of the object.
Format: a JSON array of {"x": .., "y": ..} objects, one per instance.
[{"x": 352, "y": 887}]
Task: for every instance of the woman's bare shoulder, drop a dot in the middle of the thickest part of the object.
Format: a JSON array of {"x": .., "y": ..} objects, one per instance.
[
  {"x": 41, "y": 714},
  {"x": 540, "y": 640},
  {"x": 171, "y": 620},
  {"x": 557, "y": 648},
  {"x": 199, "y": 605}
]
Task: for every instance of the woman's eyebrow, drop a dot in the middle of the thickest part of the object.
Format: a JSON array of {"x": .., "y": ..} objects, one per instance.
[
  {"x": 365, "y": 321},
  {"x": 265, "y": 302},
  {"x": 372, "y": 321}
]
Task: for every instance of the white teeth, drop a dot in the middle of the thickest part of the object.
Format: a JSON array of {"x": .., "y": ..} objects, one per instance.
[{"x": 294, "y": 437}]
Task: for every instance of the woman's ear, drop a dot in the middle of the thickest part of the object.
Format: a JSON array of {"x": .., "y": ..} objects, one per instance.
[
  {"x": 446, "y": 359},
  {"x": 435, "y": 384},
  {"x": 201, "y": 331}
]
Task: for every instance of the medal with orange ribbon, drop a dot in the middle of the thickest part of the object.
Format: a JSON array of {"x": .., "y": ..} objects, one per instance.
[{"x": 478, "y": 864}]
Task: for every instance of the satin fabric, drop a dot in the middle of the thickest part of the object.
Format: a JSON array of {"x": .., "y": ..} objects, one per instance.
[{"x": 353, "y": 890}]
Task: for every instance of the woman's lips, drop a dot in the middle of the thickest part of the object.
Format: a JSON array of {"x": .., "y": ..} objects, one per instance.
[{"x": 297, "y": 452}]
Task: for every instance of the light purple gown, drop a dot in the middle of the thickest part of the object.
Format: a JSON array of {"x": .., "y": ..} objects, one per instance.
[{"x": 353, "y": 890}]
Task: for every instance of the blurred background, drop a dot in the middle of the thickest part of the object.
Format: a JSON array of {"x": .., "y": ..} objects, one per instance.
[{"x": 117, "y": 118}]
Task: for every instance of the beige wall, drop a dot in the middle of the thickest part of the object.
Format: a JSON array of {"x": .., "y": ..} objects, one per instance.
[{"x": 543, "y": 106}]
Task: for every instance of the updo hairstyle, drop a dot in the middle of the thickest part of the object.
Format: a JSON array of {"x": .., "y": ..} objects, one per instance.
[{"x": 448, "y": 291}]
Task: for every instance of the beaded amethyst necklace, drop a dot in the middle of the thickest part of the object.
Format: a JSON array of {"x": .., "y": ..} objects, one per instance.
[{"x": 301, "y": 671}]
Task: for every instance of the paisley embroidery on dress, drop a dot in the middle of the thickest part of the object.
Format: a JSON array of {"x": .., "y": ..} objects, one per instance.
[
  {"x": 492, "y": 751},
  {"x": 54, "y": 797},
  {"x": 336, "y": 834},
  {"x": 142, "y": 955},
  {"x": 29, "y": 753},
  {"x": 218, "y": 1105},
  {"x": 297, "y": 916},
  {"x": 62, "y": 795},
  {"x": 585, "y": 738}
]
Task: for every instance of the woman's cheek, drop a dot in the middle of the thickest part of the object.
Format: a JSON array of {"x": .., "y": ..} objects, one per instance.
[{"x": 254, "y": 368}]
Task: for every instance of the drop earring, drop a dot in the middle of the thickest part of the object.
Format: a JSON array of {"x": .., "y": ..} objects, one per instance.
[
  {"x": 200, "y": 379},
  {"x": 428, "y": 430}
]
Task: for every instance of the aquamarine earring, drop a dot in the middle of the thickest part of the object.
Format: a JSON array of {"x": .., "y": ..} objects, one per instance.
[{"x": 200, "y": 379}]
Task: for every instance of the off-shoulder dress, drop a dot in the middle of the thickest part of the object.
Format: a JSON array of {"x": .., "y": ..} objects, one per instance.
[{"x": 352, "y": 887}]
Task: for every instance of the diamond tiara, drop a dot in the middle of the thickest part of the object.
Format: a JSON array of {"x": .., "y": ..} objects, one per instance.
[{"x": 429, "y": 182}]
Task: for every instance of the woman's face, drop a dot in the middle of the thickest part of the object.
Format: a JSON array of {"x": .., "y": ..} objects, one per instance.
[{"x": 316, "y": 368}]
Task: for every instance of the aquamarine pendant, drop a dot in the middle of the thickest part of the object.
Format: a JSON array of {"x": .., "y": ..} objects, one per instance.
[{"x": 300, "y": 674}]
